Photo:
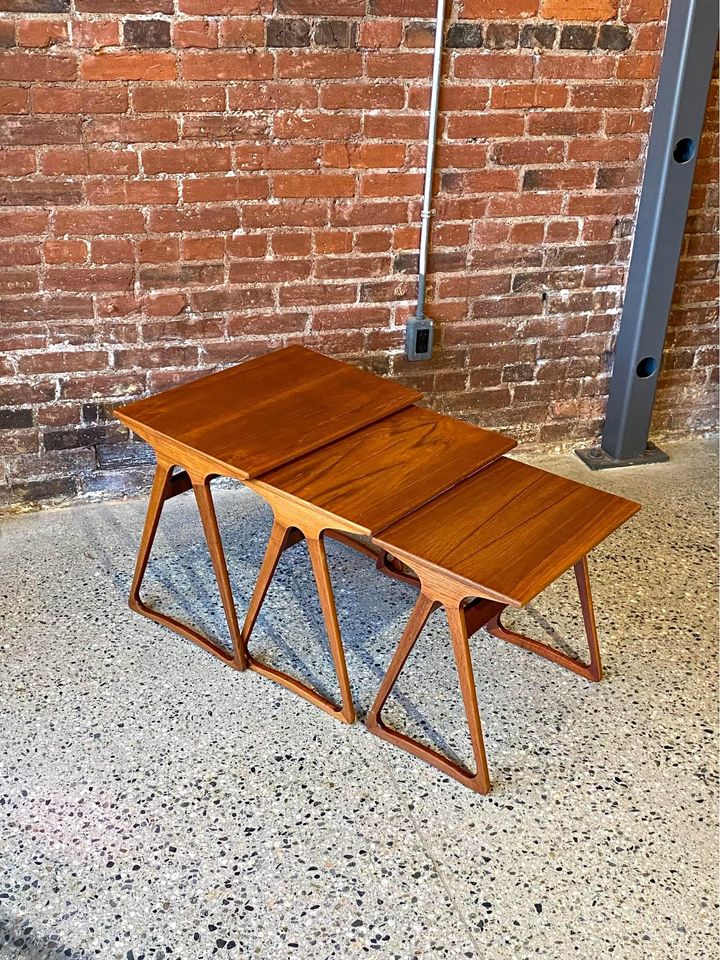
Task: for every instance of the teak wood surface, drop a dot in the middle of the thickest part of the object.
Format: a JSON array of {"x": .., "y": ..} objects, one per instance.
[
  {"x": 260, "y": 414},
  {"x": 370, "y": 479},
  {"x": 507, "y": 532}
]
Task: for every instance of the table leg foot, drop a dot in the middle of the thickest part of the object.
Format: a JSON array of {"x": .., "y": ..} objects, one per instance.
[
  {"x": 590, "y": 671},
  {"x": 479, "y": 780},
  {"x": 281, "y": 537},
  {"x": 164, "y": 487}
]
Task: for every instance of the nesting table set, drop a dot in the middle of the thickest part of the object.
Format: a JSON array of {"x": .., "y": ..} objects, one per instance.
[{"x": 338, "y": 452}]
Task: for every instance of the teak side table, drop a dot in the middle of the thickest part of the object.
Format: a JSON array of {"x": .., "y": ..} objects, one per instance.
[
  {"x": 356, "y": 487},
  {"x": 497, "y": 539},
  {"x": 241, "y": 423}
]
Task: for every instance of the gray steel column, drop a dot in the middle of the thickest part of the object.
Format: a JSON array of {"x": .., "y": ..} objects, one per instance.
[{"x": 680, "y": 102}]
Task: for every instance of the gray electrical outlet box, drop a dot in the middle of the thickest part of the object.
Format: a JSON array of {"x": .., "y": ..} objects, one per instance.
[{"x": 419, "y": 338}]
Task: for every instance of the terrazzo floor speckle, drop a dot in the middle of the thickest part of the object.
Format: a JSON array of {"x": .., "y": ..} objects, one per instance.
[{"x": 154, "y": 803}]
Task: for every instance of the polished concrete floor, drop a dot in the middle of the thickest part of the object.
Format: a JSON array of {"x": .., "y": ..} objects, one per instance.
[{"x": 154, "y": 803}]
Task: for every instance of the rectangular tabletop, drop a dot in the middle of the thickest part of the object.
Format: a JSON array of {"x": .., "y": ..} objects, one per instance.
[
  {"x": 509, "y": 531},
  {"x": 373, "y": 477},
  {"x": 267, "y": 411}
]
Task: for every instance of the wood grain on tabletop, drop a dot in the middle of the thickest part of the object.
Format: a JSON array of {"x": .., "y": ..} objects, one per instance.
[
  {"x": 374, "y": 477},
  {"x": 509, "y": 531},
  {"x": 267, "y": 411}
]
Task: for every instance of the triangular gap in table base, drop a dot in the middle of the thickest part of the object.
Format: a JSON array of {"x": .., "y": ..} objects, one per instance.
[{"x": 283, "y": 537}]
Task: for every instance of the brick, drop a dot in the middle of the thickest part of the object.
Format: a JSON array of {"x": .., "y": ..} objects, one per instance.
[
  {"x": 16, "y": 253},
  {"x": 284, "y": 95},
  {"x": 377, "y": 34},
  {"x": 28, "y": 130},
  {"x": 578, "y": 37},
  {"x": 528, "y": 96},
  {"x": 39, "y": 193},
  {"x": 330, "y": 8},
  {"x": 177, "y": 99},
  {"x": 14, "y": 419},
  {"x": 124, "y": 6},
  {"x": 607, "y": 95},
  {"x": 122, "y": 130},
  {"x": 209, "y": 127},
  {"x": 579, "y": 9},
  {"x": 318, "y": 185},
  {"x": 334, "y": 33},
  {"x": 362, "y": 96},
  {"x": 419, "y": 33},
  {"x": 500, "y": 9},
  {"x": 494, "y": 66},
  {"x": 176, "y": 221},
  {"x": 391, "y": 184},
  {"x": 294, "y": 157},
  {"x": 203, "y": 248},
  {"x": 464, "y": 35},
  {"x": 129, "y": 66},
  {"x": 195, "y": 33},
  {"x": 16, "y": 163},
  {"x": 215, "y": 8},
  {"x": 41, "y": 33},
  {"x": 146, "y": 33},
  {"x": 226, "y": 66},
  {"x": 539, "y": 36},
  {"x": 308, "y": 126},
  {"x": 100, "y": 221},
  {"x": 286, "y": 32},
  {"x": 95, "y": 34},
  {"x": 237, "y": 32},
  {"x": 36, "y": 67},
  {"x": 91, "y": 279},
  {"x": 364, "y": 156},
  {"x": 7, "y": 34},
  {"x": 62, "y": 362},
  {"x": 210, "y": 189},
  {"x": 65, "y": 251},
  {"x": 318, "y": 66},
  {"x": 186, "y": 160},
  {"x": 14, "y": 100},
  {"x": 181, "y": 275},
  {"x": 502, "y": 36},
  {"x": 614, "y": 36},
  {"x": 55, "y": 99}
]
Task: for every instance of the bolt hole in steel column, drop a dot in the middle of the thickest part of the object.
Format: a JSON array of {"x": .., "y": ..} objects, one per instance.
[
  {"x": 646, "y": 368},
  {"x": 684, "y": 150}
]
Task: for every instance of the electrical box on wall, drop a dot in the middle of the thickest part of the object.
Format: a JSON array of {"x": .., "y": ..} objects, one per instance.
[{"x": 419, "y": 334}]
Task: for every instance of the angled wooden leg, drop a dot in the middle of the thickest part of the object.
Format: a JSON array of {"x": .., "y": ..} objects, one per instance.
[
  {"x": 480, "y": 779},
  {"x": 590, "y": 671},
  {"x": 582, "y": 577},
  {"x": 158, "y": 496},
  {"x": 424, "y": 606},
  {"x": 214, "y": 542},
  {"x": 281, "y": 537},
  {"x": 164, "y": 487},
  {"x": 277, "y": 543},
  {"x": 318, "y": 558}
]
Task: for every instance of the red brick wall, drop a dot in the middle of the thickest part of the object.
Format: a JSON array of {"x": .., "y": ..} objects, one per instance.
[{"x": 185, "y": 183}]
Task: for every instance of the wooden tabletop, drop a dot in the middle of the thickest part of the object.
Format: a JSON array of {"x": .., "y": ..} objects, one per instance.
[
  {"x": 265, "y": 412},
  {"x": 374, "y": 477},
  {"x": 507, "y": 532}
]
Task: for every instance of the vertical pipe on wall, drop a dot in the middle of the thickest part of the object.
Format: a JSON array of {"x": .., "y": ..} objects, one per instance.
[{"x": 419, "y": 333}]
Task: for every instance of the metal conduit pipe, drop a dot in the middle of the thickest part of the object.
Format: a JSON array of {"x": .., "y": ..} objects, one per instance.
[{"x": 420, "y": 329}]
